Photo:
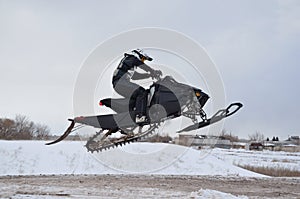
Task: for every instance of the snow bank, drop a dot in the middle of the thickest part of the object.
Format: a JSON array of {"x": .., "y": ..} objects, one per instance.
[
  {"x": 212, "y": 194},
  {"x": 34, "y": 158}
]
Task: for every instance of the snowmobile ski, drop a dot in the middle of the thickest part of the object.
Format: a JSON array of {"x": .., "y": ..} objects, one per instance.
[
  {"x": 67, "y": 132},
  {"x": 218, "y": 116}
]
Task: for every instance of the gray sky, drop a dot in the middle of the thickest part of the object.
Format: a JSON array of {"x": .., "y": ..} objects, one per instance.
[{"x": 254, "y": 44}]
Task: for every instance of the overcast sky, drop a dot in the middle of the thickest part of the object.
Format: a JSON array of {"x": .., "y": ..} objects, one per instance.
[{"x": 254, "y": 44}]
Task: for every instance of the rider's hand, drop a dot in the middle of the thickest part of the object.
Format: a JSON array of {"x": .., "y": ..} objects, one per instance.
[{"x": 156, "y": 73}]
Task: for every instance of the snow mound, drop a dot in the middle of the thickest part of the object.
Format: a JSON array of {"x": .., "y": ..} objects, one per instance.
[
  {"x": 212, "y": 194},
  {"x": 70, "y": 157}
]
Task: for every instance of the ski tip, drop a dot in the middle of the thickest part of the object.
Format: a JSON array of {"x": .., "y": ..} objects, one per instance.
[
  {"x": 236, "y": 106},
  {"x": 239, "y": 104},
  {"x": 50, "y": 143},
  {"x": 53, "y": 142},
  {"x": 67, "y": 132}
]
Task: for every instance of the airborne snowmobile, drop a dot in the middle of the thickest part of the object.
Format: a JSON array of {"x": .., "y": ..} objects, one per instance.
[{"x": 167, "y": 99}]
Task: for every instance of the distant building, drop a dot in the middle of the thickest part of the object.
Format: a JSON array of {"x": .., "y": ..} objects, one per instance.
[
  {"x": 239, "y": 145},
  {"x": 200, "y": 141},
  {"x": 269, "y": 146},
  {"x": 292, "y": 144},
  {"x": 294, "y": 140},
  {"x": 257, "y": 146}
]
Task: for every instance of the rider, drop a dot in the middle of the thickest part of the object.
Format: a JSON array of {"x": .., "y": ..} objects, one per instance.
[{"x": 125, "y": 72}]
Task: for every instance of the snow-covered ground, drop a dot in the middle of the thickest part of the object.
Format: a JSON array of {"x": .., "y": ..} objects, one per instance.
[
  {"x": 264, "y": 158},
  {"x": 212, "y": 194},
  {"x": 69, "y": 157},
  {"x": 201, "y": 194},
  {"x": 146, "y": 186},
  {"x": 176, "y": 172}
]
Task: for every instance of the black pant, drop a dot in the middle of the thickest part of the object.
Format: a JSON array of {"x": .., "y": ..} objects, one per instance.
[{"x": 137, "y": 94}]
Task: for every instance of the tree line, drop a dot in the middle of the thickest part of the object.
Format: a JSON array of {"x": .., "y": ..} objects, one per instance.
[{"x": 21, "y": 128}]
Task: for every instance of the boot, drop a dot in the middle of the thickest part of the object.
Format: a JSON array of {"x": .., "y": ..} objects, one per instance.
[{"x": 140, "y": 119}]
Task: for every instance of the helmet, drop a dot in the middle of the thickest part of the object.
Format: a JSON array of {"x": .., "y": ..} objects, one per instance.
[{"x": 141, "y": 55}]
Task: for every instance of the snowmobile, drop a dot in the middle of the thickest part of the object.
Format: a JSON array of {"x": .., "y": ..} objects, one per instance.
[{"x": 167, "y": 99}]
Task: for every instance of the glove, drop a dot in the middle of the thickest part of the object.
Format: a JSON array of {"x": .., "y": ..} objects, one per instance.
[{"x": 156, "y": 73}]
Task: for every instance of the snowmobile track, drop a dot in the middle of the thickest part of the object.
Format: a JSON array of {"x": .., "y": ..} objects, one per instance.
[{"x": 103, "y": 145}]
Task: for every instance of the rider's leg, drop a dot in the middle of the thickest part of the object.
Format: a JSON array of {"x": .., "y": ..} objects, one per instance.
[
  {"x": 141, "y": 102},
  {"x": 137, "y": 94},
  {"x": 127, "y": 89}
]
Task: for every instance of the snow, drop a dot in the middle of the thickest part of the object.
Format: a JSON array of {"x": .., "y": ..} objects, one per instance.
[
  {"x": 71, "y": 157},
  {"x": 266, "y": 158},
  {"x": 22, "y": 196},
  {"x": 143, "y": 193},
  {"x": 212, "y": 194},
  {"x": 201, "y": 194}
]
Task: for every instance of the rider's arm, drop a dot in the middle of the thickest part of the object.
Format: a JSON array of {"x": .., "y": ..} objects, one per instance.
[
  {"x": 137, "y": 76},
  {"x": 146, "y": 68},
  {"x": 142, "y": 65}
]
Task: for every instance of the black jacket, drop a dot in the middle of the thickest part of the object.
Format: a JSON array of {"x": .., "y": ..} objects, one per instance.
[{"x": 128, "y": 63}]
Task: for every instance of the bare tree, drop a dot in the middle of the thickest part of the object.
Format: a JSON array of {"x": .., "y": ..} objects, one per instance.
[
  {"x": 24, "y": 127},
  {"x": 229, "y": 136},
  {"x": 7, "y": 128},
  {"x": 41, "y": 131},
  {"x": 257, "y": 136}
]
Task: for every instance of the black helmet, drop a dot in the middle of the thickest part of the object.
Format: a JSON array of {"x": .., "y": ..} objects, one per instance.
[{"x": 141, "y": 55}]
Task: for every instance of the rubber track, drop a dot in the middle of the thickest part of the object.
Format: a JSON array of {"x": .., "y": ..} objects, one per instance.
[{"x": 118, "y": 142}]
